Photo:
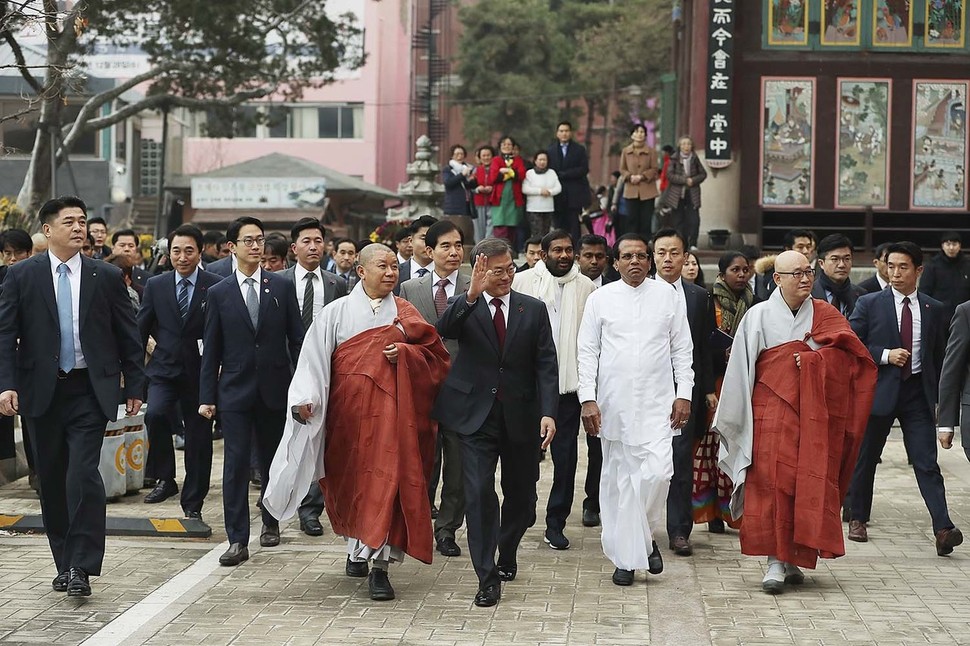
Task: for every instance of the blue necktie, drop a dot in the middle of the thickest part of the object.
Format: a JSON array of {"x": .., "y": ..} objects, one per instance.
[
  {"x": 65, "y": 319},
  {"x": 183, "y": 297},
  {"x": 423, "y": 272}
]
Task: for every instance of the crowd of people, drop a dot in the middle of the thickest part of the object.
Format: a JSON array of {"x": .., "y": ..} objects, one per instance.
[
  {"x": 504, "y": 194},
  {"x": 354, "y": 379}
]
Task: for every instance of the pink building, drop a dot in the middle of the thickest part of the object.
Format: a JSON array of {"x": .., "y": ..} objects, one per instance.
[{"x": 357, "y": 125}]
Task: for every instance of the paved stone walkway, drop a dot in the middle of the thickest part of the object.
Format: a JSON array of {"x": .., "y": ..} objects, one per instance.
[{"x": 169, "y": 592}]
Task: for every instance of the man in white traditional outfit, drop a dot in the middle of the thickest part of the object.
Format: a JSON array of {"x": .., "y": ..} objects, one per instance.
[
  {"x": 791, "y": 416},
  {"x": 374, "y": 414},
  {"x": 556, "y": 281},
  {"x": 634, "y": 345}
]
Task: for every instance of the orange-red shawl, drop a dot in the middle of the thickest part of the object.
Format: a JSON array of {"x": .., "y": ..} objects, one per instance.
[
  {"x": 807, "y": 434},
  {"x": 380, "y": 437}
]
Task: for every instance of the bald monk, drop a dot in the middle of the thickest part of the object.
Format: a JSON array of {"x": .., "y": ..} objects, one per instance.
[
  {"x": 791, "y": 417},
  {"x": 361, "y": 401}
]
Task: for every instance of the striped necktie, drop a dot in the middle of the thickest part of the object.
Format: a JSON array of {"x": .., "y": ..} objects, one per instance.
[
  {"x": 307, "y": 313},
  {"x": 183, "y": 298}
]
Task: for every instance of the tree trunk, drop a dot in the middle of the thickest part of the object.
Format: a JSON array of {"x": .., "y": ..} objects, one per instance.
[
  {"x": 38, "y": 180},
  {"x": 590, "y": 120},
  {"x": 608, "y": 131}
]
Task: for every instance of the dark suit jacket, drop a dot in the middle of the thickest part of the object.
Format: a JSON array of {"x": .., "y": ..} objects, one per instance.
[
  {"x": 954, "y": 381},
  {"x": 176, "y": 354},
  {"x": 526, "y": 372},
  {"x": 403, "y": 276},
  {"x": 871, "y": 285},
  {"x": 818, "y": 291},
  {"x": 764, "y": 284},
  {"x": 254, "y": 362},
  {"x": 333, "y": 285},
  {"x": 221, "y": 267},
  {"x": 700, "y": 316},
  {"x": 573, "y": 171},
  {"x": 109, "y": 335},
  {"x": 420, "y": 293},
  {"x": 874, "y": 322}
]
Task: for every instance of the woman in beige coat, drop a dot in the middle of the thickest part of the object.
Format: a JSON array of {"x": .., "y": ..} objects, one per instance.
[{"x": 639, "y": 170}]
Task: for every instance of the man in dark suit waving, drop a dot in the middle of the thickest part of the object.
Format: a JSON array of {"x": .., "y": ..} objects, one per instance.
[
  {"x": 77, "y": 337},
  {"x": 905, "y": 332},
  {"x": 314, "y": 288},
  {"x": 669, "y": 252},
  {"x": 252, "y": 339},
  {"x": 172, "y": 313},
  {"x": 501, "y": 396},
  {"x": 571, "y": 163}
]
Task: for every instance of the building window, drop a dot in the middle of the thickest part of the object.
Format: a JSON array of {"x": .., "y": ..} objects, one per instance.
[
  {"x": 151, "y": 166},
  {"x": 279, "y": 122},
  {"x": 236, "y": 121},
  {"x": 18, "y": 135},
  {"x": 341, "y": 121}
]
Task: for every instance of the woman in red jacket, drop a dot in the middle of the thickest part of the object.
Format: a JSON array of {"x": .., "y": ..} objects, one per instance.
[
  {"x": 506, "y": 175},
  {"x": 482, "y": 193}
]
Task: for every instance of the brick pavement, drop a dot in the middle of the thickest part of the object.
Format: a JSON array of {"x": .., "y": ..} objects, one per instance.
[{"x": 892, "y": 591}]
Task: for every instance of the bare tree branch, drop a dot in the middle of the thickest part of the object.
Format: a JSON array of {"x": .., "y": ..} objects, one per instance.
[
  {"x": 21, "y": 62},
  {"x": 17, "y": 115}
]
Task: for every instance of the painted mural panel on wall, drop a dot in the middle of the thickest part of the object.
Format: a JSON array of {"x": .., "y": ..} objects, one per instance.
[
  {"x": 840, "y": 22},
  {"x": 892, "y": 23},
  {"x": 945, "y": 24},
  {"x": 787, "y": 149},
  {"x": 939, "y": 144},
  {"x": 787, "y": 22},
  {"x": 863, "y": 151}
]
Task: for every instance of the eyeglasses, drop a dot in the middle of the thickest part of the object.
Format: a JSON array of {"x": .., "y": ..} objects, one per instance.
[
  {"x": 630, "y": 256},
  {"x": 502, "y": 272},
  {"x": 798, "y": 275},
  {"x": 252, "y": 242}
]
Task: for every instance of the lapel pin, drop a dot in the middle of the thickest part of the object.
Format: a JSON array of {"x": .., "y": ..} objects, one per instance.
[
  {"x": 267, "y": 290},
  {"x": 521, "y": 309}
]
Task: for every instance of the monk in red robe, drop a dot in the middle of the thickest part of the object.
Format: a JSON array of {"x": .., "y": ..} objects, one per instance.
[
  {"x": 792, "y": 414},
  {"x": 361, "y": 400}
]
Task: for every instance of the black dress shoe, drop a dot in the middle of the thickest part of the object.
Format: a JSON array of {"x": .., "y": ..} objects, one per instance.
[
  {"x": 507, "y": 572},
  {"x": 78, "y": 585},
  {"x": 448, "y": 547},
  {"x": 591, "y": 518},
  {"x": 164, "y": 490},
  {"x": 193, "y": 515},
  {"x": 379, "y": 586},
  {"x": 716, "y": 526},
  {"x": 488, "y": 596},
  {"x": 356, "y": 569},
  {"x": 655, "y": 562},
  {"x": 236, "y": 554},
  {"x": 311, "y": 527},
  {"x": 622, "y": 577},
  {"x": 434, "y": 512},
  {"x": 555, "y": 539},
  {"x": 60, "y": 581},
  {"x": 270, "y": 536},
  {"x": 681, "y": 546}
]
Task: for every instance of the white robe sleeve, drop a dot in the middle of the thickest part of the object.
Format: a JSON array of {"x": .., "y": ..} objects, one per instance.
[
  {"x": 299, "y": 459},
  {"x": 589, "y": 350}
]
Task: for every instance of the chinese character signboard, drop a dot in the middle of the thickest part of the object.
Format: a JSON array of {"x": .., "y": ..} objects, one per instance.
[
  {"x": 720, "y": 82},
  {"x": 253, "y": 193}
]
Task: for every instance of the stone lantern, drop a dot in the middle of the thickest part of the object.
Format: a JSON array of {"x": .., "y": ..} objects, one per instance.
[{"x": 423, "y": 192}]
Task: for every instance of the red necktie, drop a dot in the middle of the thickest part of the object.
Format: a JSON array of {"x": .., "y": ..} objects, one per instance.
[
  {"x": 441, "y": 297},
  {"x": 906, "y": 334},
  {"x": 499, "y": 321}
]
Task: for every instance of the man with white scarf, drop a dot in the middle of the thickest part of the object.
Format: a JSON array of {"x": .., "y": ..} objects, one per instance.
[
  {"x": 558, "y": 283},
  {"x": 634, "y": 350}
]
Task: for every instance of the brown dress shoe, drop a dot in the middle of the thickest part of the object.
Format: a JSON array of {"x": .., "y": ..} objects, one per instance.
[
  {"x": 680, "y": 546},
  {"x": 947, "y": 539},
  {"x": 857, "y": 532}
]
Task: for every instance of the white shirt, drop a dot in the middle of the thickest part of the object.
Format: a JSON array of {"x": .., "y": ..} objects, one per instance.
[
  {"x": 452, "y": 279},
  {"x": 917, "y": 364},
  {"x": 300, "y": 274},
  {"x": 882, "y": 283},
  {"x": 74, "y": 276},
  {"x": 401, "y": 260},
  {"x": 415, "y": 266},
  {"x": 599, "y": 281},
  {"x": 243, "y": 288},
  {"x": 532, "y": 187},
  {"x": 634, "y": 344}
]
